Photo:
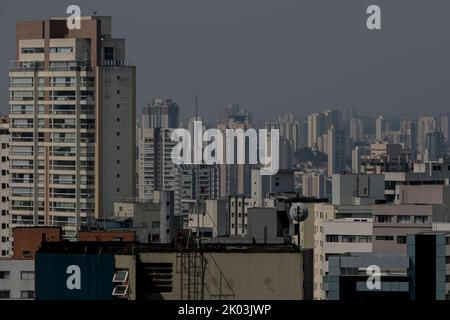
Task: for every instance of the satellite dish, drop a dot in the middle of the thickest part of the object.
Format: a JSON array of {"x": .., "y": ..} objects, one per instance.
[{"x": 298, "y": 212}]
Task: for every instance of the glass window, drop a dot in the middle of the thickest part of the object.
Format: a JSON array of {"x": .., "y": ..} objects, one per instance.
[
  {"x": 403, "y": 219},
  {"x": 384, "y": 219},
  {"x": 32, "y": 50},
  {"x": 420, "y": 219},
  {"x": 384, "y": 238},
  {"x": 332, "y": 238},
  {"x": 109, "y": 53},
  {"x": 401, "y": 239},
  {"x": 61, "y": 50},
  {"x": 27, "y": 294},
  {"x": 27, "y": 275}
]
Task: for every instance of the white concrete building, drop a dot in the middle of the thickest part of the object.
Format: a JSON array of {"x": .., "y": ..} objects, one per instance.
[
  {"x": 72, "y": 123},
  {"x": 5, "y": 231},
  {"x": 16, "y": 279}
]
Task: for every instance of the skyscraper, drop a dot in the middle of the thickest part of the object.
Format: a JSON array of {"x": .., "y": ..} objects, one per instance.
[
  {"x": 443, "y": 127},
  {"x": 156, "y": 170},
  {"x": 5, "y": 231},
  {"x": 434, "y": 145},
  {"x": 316, "y": 127},
  {"x": 356, "y": 130},
  {"x": 408, "y": 130},
  {"x": 72, "y": 111},
  {"x": 235, "y": 179},
  {"x": 380, "y": 127},
  {"x": 319, "y": 123},
  {"x": 290, "y": 129},
  {"x": 314, "y": 185},
  {"x": 336, "y": 150},
  {"x": 425, "y": 125},
  {"x": 161, "y": 113}
]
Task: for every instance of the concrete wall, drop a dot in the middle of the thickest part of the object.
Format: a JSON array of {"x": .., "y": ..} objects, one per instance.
[
  {"x": 346, "y": 187},
  {"x": 242, "y": 275},
  {"x": 116, "y": 130},
  {"x": 15, "y": 285},
  {"x": 396, "y": 229}
]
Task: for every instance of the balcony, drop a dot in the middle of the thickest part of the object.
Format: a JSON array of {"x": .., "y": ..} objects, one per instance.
[{"x": 31, "y": 66}]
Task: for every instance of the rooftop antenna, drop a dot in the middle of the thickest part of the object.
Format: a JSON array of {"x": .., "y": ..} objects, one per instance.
[
  {"x": 196, "y": 107},
  {"x": 197, "y": 196}
]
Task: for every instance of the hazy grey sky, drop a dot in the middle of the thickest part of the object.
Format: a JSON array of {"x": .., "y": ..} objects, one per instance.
[{"x": 271, "y": 56}]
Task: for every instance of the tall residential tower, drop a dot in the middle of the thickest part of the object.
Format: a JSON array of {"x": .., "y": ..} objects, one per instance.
[{"x": 72, "y": 123}]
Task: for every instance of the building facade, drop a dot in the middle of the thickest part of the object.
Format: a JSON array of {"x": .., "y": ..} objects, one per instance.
[{"x": 72, "y": 123}]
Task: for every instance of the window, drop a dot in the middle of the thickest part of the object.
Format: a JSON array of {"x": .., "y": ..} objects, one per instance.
[
  {"x": 27, "y": 254},
  {"x": 403, "y": 219},
  {"x": 4, "y": 275},
  {"x": 32, "y": 50},
  {"x": 27, "y": 275},
  {"x": 61, "y": 50},
  {"x": 155, "y": 224},
  {"x": 401, "y": 239},
  {"x": 120, "y": 276},
  {"x": 384, "y": 238},
  {"x": 27, "y": 294},
  {"x": 420, "y": 219},
  {"x": 347, "y": 238},
  {"x": 109, "y": 53},
  {"x": 4, "y": 294},
  {"x": 157, "y": 277},
  {"x": 120, "y": 290},
  {"x": 384, "y": 219}
]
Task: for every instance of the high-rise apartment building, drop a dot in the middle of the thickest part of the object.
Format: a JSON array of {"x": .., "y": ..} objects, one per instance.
[
  {"x": 161, "y": 113},
  {"x": 408, "y": 134},
  {"x": 425, "y": 125},
  {"x": 336, "y": 150},
  {"x": 72, "y": 123},
  {"x": 314, "y": 185},
  {"x": 290, "y": 129},
  {"x": 235, "y": 179},
  {"x": 320, "y": 123},
  {"x": 316, "y": 127},
  {"x": 380, "y": 128},
  {"x": 356, "y": 130},
  {"x": 444, "y": 128},
  {"x": 5, "y": 231},
  {"x": 434, "y": 145}
]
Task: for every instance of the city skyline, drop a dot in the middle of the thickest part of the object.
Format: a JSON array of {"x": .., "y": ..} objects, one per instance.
[
  {"x": 291, "y": 55},
  {"x": 254, "y": 199}
]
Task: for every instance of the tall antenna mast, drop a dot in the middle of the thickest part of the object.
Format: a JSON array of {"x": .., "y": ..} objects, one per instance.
[
  {"x": 196, "y": 107},
  {"x": 197, "y": 196}
]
